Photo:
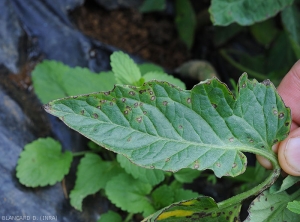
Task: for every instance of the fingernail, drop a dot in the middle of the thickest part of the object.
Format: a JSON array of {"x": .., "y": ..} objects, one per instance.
[{"x": 292, "y": 153}]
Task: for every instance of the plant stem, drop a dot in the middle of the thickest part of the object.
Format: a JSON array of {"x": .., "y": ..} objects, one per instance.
[
  {"x": 129, "y": 217},
  {"x": 237, "y": 65},
  {"x": 82, "y": 153},
  {"x": 254, "y": 191}
]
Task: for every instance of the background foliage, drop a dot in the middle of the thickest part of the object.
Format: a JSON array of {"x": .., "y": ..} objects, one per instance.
[{"x": 271, "y": 26}]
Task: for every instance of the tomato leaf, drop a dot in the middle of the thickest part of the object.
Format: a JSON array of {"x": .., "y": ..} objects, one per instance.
[{"x": 161, "y": 126}]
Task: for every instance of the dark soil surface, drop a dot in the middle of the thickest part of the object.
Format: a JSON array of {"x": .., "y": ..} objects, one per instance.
[{"x": 152, "y": 36}]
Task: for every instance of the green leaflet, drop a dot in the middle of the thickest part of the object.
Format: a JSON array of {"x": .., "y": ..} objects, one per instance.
[
  {"x": 283, "y": 185},
  {"x": 161, "y": 126},
  {"x": 294, "y": 206},
  {"x": 165, "y": 195},
  {"x": 269, "y": 207},
  {"x": 92, "y": 175},
  {"x": 110, "y": 216},
  {"x": 149, "y": 67},
  {"x": 185, "y": 21},
  {"x": 153, "y": 177},
  {"x": 245, "y": 12},
  {"x": 186, "y": 175},
  {"x": 152, "y": 6},
  {"x": 42, "y": 163},
  {"x": 124, "y": 68},
  {"x": 53, "y": 80},
  {"x": 129, "y": 194},
  {"x": 163, "y": 77},
  {"x": 290, "y": 20}
]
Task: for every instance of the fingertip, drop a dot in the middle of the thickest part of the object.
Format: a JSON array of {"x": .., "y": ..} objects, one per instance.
[
  {"x": 264, "y": 162},
  {"x": 289, "y": 154}
]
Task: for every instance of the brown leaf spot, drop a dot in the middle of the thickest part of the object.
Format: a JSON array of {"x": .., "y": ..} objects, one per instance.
[
  {"x": 152, "y": 98},
  {"x": 126, "y": 112},
  {"x": 82, "y": 112},
  {"x": 135, "y": 105},
  {"x": 281, "y": 115},
  {"x": 131, "y": 93},
  {"x": 139, "y": 119},
  {"x": 123, "y": 100},
  {"x": 165, "y": 103},
  {"x": 95, "y": 115},
  {"x": 266, "y": 82},
  {"x": 214, "y": 105},
  {"x": 234, "y": 165},
  {"x": 189, "y": 100},
  {"x": 144, "y": 112},
  {"x": 231, "y": 139}
]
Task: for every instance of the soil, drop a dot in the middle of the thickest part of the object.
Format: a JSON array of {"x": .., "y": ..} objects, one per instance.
[{"x": 151, "y": 36}]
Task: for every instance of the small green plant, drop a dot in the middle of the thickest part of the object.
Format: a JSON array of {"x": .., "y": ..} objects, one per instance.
[
  {"x": 43, "y": 163},
  {"x": 155, "y": 128}
]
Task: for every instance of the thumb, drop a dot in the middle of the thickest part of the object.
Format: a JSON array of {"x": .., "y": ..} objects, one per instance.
[
  {"x": 289, "y": 153},
  {"x": 289, "y": 149}
]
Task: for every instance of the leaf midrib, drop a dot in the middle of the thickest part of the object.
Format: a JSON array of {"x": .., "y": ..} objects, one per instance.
[{"x": 263, "y": 152}]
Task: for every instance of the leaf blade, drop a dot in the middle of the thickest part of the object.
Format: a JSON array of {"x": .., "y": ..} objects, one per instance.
[
  {"x": 270, "y": 207},
  {"x": 97, "y": 172},
  {"x": 225, "y": 12},
  {"x": 129, "y": 193},
  {"x": 42, "y": 163},
  {"x": 53, "y": 80},
  {"x": 294, "y": 206},
  {"x": 152, "y": 177},
  {"x": 124, "y": 68},
  {"x": 161, "y": 117}
]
